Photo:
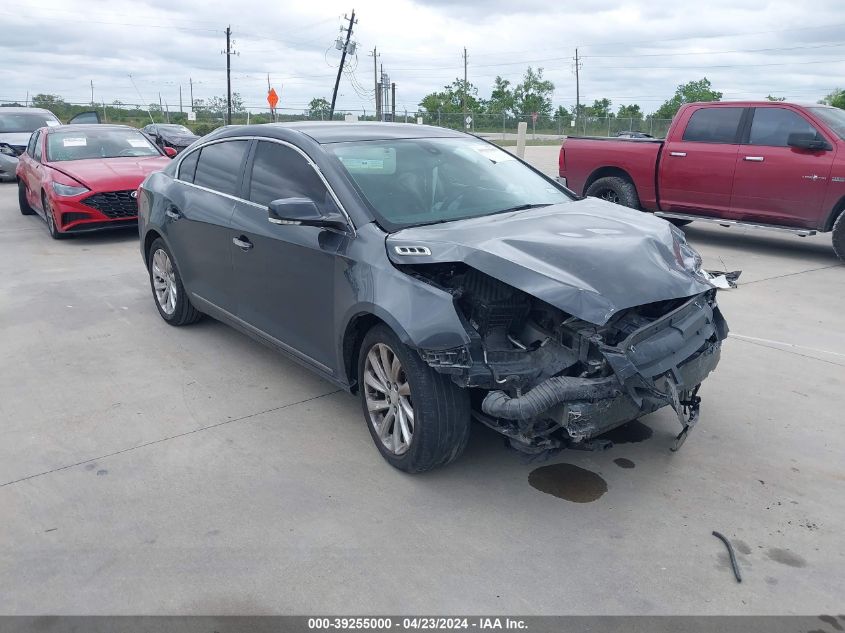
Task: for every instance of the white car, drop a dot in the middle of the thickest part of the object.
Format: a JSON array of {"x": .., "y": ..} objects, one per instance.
[{"x": 16, "y": 126}]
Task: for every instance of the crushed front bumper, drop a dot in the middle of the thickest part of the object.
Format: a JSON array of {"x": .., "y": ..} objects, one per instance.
[{"x": 660, "y": 364}]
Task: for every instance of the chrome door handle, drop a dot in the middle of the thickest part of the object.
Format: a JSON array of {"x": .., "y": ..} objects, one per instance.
[
  {"x": 754, "y": 159},
  {"x": 678, "y": 154},
  {"x": 242, "y": 243}
]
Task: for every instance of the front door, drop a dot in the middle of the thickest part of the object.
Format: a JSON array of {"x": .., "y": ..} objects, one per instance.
[
  {"x": 285, "y": 274},
  {"x": 775, "y": 183}
]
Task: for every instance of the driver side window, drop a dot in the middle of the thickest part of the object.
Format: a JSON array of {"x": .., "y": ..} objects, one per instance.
[
  {"x": 36, "y": 150},
  {"x": 33, "y": 141}
]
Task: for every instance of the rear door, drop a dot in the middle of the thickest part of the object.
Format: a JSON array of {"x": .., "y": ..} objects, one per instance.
[
  {"x": 775, "y": 183},
  {"x": 198, "y": 217},
  {"x": 285, "y": 273},
  {"x": 696, "y": 172}
]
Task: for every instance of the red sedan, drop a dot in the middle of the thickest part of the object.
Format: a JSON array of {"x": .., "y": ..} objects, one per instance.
[{"x": 83, "y": 178}]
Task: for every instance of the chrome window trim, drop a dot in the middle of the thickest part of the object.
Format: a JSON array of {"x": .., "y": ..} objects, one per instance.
[{"x": 301, "y": 152}]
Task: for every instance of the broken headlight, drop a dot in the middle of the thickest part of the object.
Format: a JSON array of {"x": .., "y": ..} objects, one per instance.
[{"x": 686, "y": 255}]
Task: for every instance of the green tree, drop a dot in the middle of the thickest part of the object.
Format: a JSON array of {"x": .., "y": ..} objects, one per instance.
[
  {"x": 835, "y": 99},
  {"x": 49, "y": 102},
  {"x": 563, "y": 115},
  {"x": 632, "y": 111},
  {"x": 501, "y": 99},
  {"x": 771, "y": 98},
  {"x": 533, "y": 94},
  {"x": 690, "y": 92},
  {"x": 600, "y": 108},
  {"x": 319, "y": 107},
  {"x": 218, "y": 105},
  {"x": 451, "y": 98}
]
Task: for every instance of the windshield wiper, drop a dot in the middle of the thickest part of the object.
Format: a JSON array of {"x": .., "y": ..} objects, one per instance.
[{"x": 525, "y": 207}]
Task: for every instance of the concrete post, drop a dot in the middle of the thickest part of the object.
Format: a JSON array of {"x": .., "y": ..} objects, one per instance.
[{"x": 521, "y": 131}]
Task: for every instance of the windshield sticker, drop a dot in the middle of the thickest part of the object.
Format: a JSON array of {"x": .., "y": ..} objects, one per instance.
[
  {"x": 368, "y": 160},
  {"x": 75, "y": 141},
  {"x": 137, "y": 142},
  {"x": 52, "y": 123}
]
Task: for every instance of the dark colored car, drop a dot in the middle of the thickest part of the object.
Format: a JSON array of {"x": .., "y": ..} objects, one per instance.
[
  {"x": 83, "y": 178},
  {"x": 436, "y": 275},
  {"x": 169, "y": 135}
]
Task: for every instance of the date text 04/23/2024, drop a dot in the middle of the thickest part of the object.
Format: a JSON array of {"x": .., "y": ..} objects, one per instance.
[{"x": 416, "y": 623}]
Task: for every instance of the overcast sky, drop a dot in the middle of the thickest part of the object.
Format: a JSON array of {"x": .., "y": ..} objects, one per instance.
[{"x": 633, "y": 51}]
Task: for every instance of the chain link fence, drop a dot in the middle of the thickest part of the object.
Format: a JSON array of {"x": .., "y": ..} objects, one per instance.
[{"x": 494, "y": 126}]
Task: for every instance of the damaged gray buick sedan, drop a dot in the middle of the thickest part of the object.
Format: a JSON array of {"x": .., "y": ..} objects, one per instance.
[{"x": 436, "y": 276}]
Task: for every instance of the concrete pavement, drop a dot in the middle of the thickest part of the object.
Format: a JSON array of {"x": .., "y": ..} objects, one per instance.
[{"x": 148, "y": 469}]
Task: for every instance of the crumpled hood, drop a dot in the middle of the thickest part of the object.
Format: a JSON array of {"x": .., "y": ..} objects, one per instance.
[
  {"x": 590, "y": 258},
  {"x": 20, "y": 139},
  {"x": 180, "y": 140},
  {"x": 114, "y": 174}
]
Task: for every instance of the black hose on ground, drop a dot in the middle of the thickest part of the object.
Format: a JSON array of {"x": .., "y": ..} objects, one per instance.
[
  {"x": 727, "y": 543},
  {"x": 548, "y": 394}
]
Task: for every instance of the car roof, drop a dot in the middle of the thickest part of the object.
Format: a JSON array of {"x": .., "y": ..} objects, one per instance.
[
  {"x": 752, "y": 104},
  {"x": 340, "y": 131},
  {"x": 22, "y": 110}
]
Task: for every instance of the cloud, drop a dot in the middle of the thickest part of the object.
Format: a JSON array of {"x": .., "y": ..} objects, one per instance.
[{"x": 633, "y": 51}]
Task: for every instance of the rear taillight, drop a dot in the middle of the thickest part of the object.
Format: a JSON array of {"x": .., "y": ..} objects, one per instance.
[{"x": 561, "y": 161}]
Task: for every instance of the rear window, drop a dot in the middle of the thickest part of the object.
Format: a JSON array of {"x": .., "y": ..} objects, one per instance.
[
  {"x": 25, "y": 121},
  {"x": 713, "y": 125},
  {"x": 219, "y": 166}
]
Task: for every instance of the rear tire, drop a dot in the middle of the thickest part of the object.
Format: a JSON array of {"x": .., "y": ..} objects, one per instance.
[
  {"x": 169, "y": 294},
  {"x": 439, "y": 420},
  {"x": 23, "y": 203},
  {"x": 615, "y": 189},
  {"x": 839, "y": 236}
]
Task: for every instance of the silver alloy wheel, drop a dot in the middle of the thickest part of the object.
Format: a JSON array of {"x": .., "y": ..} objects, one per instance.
[
  {"x": 388, "y": 397},
  {"x": 48, "y": 215},
  {"x": 164, "y": 281}
]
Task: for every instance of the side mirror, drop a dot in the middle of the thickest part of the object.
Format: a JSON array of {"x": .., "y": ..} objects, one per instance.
[
  {"x": 807, "y": 140},
  {"x": 170, "y": 151},
  {"x": 304, "y": 212}
]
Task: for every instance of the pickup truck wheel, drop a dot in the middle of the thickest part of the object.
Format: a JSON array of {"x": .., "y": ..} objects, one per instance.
[
  {"x": 23, "y": 203},
  {"x": 839, "y": 236},
  {"x": 418, "y": 419},
  {"x": 616, "y": 190}
]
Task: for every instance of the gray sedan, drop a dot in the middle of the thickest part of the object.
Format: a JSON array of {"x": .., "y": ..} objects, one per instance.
[{"x": 438, "y": 277}]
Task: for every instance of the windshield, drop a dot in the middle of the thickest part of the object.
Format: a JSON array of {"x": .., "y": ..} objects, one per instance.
[
  {"x": 25, "y": 121},
  {"x": 834, "y": 117},
  {"x": 409, "y": 182},
  {"x": 98, "y": 142},
  {"x": 176, "y": 129}
]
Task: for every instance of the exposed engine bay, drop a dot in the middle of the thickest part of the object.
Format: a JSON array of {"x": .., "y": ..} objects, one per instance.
[{"x": 548, "y": 380}]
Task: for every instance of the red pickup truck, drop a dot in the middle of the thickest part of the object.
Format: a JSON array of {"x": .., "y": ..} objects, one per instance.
[{"x": 763, "y": 164}]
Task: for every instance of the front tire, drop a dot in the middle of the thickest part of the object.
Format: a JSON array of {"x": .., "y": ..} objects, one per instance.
[
  {"x": 418, "y": 419},
  {"x": 166, "y": 284},
  {"x": 616, "y": 190},
  {"x": 23, "y": 203},
  {"x": 50, "y": 219},
  {"x": 839, "y": 236}
]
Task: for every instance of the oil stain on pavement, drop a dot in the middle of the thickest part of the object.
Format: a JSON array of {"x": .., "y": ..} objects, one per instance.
[
  {"x": 569, "y": 482},
  {"x": 624, "y": 463},
  {"x": 785, "y": 557}
]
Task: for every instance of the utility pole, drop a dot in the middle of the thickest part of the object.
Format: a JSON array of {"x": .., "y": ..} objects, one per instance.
[
  {"x": 191, "y": 82},
  {"x": 92, "y": 92},
  {"x": 342, "y": 62},
  {"x": 228, "y": 75},
  {"x": 375, "y": 81},
  {"x": 393, "y": 102},
  {"x": 180, "y": 98},
  {"x": 160, "y": 106},
  {"x": 577, "y": 85},
  {"x": 464, "y": 91}
]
